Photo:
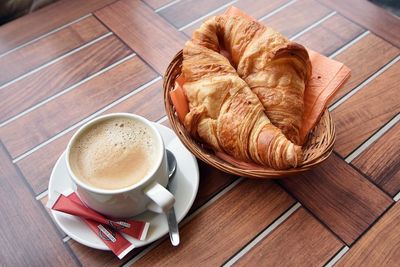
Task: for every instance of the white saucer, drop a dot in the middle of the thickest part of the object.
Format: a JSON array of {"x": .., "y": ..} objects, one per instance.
[{"x": 184, "y": 187}]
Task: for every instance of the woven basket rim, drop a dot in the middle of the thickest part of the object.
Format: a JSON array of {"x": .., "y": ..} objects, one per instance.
[{"x": 319, "y": 145}]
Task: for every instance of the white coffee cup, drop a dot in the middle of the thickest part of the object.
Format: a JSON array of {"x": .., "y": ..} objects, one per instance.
[{"x": 147, "y": 194}]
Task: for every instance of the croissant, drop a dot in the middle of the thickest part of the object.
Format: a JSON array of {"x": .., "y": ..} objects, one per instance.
[
  {"x": 227, "y": 116},
  {"x": 275, "y": 68}
]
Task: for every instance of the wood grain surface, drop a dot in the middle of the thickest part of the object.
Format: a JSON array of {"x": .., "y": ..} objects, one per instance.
[
  {"x": 34, "y": 55},
  {"x": 157, "y": 3},
  {"x": 367, "y": 111},
  {"x": 330, "y": 35},
  {"x": 130, "y": 21},
  {"x": 211, "y": 182},
  {"x": 93, "y": 257},
  {"x": 257, "y": 10},
  {"x": 37, "y": 126},
  {"x": 364, "y": 58},
  {"x": 370, "y": 16},
  {"x": 302, "y": 12},
  {"x": 380, "y": 246},
  {"x": 340, "y": 197},
  {"x": 48, "y": 81},
  {"x": 28, "y": 236},
  {"x": 341, "y": 203},
  {"x": 224, "y": 227},
  {"x": 139, "y": 103},
  {"x": 37, "y": 166},
  {"x": 186, "y": 11},
  {"x": 299, "y": 241},
  {"x": 44, "y": 20},
  {"x": 43, "y": 201},
  {"x": 381, "y": 161}
]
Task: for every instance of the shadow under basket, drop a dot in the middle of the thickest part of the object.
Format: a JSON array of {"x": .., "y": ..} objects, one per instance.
[{"x": 318, "y": 147}]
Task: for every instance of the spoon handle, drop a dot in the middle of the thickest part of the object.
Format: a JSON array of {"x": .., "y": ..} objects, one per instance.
[{"x": 173, "y": 227}]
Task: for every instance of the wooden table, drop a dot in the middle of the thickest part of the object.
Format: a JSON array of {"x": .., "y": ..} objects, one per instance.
[{"x": 77, "y": 59}]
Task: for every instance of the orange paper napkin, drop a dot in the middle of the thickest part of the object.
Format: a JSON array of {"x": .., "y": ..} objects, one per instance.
[{"x": 327, "y": 77}]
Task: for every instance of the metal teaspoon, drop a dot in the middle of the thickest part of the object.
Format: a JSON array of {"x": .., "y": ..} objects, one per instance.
[{"x": 171, "y": 217}]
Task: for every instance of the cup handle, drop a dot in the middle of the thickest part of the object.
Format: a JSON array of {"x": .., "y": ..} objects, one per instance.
[{"x": 163, "y": 200}]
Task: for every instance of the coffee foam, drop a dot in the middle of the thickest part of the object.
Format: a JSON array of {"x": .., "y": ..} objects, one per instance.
[{"x": 113, "y": 154}]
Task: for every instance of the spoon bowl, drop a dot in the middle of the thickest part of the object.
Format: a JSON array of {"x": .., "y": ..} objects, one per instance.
[{"x": 171, "y": 164}]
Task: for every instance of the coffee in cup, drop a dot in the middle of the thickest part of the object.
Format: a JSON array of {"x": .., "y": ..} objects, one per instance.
[
  {"x": 118, "y": 166},
  {"x": 113, "y": 154}
]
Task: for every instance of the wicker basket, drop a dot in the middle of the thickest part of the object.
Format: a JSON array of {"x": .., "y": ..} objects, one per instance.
[{"x": 317, "y": 148}]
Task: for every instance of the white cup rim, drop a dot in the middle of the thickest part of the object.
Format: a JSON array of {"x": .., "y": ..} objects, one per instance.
[{"x": 160, "y": 154}]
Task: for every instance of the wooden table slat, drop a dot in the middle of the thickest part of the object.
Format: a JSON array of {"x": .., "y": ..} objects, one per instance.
[
  {"x": 44, "y": 50},
  {"x": 260, "y": 8},
  {"x": 370, "y": 16},
  {"x": 297, "y": 17},
  {"x": 257, "y": 10},
  {"x": 340, "y": 197},
  {"x": 364, "y": 58},
  {"x": 186, "y": 11},
  {"x": 28, "y": 236},
  {"x": 28, "y": 131},
  {"x": 93, "y": 257},
  {"x": 367, "y": 111},
  {"x": 44, "y": 200},
  {"x": 72, "y": 69},
  {"x": 299, "y": 241},
  {"x": 49, "y": 18},
  {"x": 156, "y": 42},
  {"x": 381, "y": 161},
  {"x": 219, "y": 231},
  {"x": 331, "y": 34},
  {"x": 155, "y": 4},
  {"x": 211, "y": 182},
  {"x": 380, "y": 246}
]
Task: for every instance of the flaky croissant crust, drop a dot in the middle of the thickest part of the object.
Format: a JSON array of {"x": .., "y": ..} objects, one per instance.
[
  {"x": 275, "y": 68},
  {"x": 227, "y": 116}
]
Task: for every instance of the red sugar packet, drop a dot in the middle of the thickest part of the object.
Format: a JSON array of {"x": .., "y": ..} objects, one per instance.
[
  {"x": 118, "y": 244},
  {"x": 135, "y": 229},
  {"x": 70, "y": 203},
  {"x": 107, "y": 230}
]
